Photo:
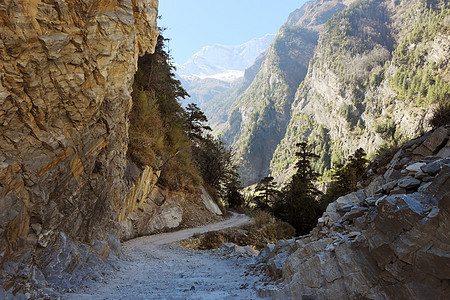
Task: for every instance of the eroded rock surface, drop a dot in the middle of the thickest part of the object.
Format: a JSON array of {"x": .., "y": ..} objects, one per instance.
[
  {"x": 65, "y": 94},
  {"x": 388, "y": 241},
  {"x": 148, "y": 208}
]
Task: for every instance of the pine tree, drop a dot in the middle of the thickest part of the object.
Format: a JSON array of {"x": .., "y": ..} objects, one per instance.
[
  {"x": 232, "y": 196},
  {"x": 298, "y": 205},
  {"x": 216, "y": 164},
  {"x": 195, "y": 119},
  {"x": 345, "y": 177},
  {"x": 266, "y": 193}
]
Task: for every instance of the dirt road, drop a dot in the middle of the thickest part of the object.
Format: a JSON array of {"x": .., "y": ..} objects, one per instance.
[
  {"x": 158, "y": 270},
  {"x": 172, "y": 237}
]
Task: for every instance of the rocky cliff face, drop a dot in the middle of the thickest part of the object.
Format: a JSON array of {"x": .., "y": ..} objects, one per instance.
[
  {"x": 148, "y": 209},
  {"x": 387, "y": 241},
  {"x": 257, "y": 120},
  {"x": 66, "y": 73}
]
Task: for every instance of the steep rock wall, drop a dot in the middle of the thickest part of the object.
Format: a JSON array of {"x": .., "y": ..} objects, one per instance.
[
  {"x": 148, "y": 208},
  {"x": 66, "y": 73}
]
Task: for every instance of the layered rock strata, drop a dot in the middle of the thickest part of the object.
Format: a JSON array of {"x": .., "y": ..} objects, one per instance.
[
  {"x": 387, "y": 241},
  {"x": 67, "y": 68}
]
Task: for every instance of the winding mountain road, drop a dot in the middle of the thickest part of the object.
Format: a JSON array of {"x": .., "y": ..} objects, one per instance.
[
  {"x": 173, "y": 237},
  {"x": 159, "y": 270}
]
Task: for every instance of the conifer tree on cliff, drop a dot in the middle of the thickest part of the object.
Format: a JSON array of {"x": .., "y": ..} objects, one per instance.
[
  {"x": 213, "y": 159},
  {"x": 195, "y": 119},
  {"x": 298, "y": 205},
  {"x": 345, "y": 177},
  {"x": 157, "y": 133},
  {"x": 267, "y": 194}
]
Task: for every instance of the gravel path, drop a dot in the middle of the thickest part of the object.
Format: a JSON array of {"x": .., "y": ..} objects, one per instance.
[{"x": 158, "y": 270}]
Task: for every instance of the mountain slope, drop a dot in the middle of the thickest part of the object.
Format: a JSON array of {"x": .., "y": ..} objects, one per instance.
[
  {"x": 258, "y": 118},
  {"x": 218, "y": 107},
  {"x": 376, "y": 73}
]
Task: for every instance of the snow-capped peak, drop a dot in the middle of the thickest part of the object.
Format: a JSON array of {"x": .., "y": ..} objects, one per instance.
[{"x": 224, "y": 62}]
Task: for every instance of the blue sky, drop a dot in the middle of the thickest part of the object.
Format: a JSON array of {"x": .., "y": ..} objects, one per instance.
[{"x": 194, "y": 24}]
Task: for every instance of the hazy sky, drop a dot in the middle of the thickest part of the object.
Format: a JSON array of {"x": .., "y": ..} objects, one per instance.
[{"x": 194, "y": 24}]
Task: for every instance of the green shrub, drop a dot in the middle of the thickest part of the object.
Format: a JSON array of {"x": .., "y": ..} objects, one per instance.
[
  {"x": 441, "y": 114},
  {"x": 386, "y": 129}
]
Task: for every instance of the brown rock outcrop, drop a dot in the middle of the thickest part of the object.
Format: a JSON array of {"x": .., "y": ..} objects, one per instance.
[
  {"x": 148, "y": 209},
  {"x": 67, "y": 68},
  {"x": 389, "y": 241}
]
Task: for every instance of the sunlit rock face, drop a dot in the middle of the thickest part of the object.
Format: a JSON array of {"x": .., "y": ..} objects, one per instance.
[
  {"x": 67, "y": 68},
  {"x": 328, "y": 106}
]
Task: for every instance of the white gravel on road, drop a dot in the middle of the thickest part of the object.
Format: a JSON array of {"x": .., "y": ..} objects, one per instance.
[{"x": 158, "y": 270}]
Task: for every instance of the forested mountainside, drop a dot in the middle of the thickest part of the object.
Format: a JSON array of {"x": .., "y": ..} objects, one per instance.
[
  {"x": 375, "y": 69},
  {"x": 379, "y": 69},
  {"x": 258, "y": 117}
]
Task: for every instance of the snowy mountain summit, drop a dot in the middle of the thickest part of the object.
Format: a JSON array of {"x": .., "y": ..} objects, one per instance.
[{"x": 222, "y": 62}]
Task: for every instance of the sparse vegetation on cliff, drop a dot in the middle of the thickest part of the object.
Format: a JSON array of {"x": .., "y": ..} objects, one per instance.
[
  {"x": 172, "y": 139},
  {"x": 417, "y": 79},
  {"x": 371, "y": 82},
  {"x": 157, "y": 121}
]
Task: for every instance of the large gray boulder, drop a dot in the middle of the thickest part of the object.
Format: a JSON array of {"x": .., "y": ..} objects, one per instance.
[{"x": 391, "y": 242}]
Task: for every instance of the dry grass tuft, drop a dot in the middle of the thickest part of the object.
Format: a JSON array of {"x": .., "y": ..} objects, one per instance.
[{"x": 265, "y": 230}]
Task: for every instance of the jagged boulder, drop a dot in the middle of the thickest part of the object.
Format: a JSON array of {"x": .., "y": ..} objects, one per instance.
[
  {"x": 152, "y": 209},
  {"x": 386, "y": 243}
]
